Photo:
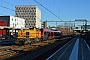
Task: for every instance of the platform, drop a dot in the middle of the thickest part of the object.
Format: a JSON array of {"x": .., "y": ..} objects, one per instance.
[
  {"x": 7, "y": 41},
  {"x": 76, "y": 49}
]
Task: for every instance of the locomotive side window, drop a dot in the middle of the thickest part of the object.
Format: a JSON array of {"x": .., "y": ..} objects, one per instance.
[{"x": 27, "y": 34}]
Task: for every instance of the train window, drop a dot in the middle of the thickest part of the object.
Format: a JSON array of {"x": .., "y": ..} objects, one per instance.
[
  {"x": 27, "y": 33},
  {"x": 44, "y": 32}
]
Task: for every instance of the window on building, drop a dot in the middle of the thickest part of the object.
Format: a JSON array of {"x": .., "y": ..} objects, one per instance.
[
  {"x": 34, "y": 7},
  {"x": 28, "y": 18},
  {"x": 26, "y": 24},
  {"x": 34, "y": 18},
  {"x": 15, "y": 25},
  {"x": 16, "y": 14},
  {"x": 26, "y": 8},
  {"x": 30, "y": 10},
  {"x": 12, "y": 19},
  {"x": 25, "y": 21},
  {"x": 33, "y": 10},
  {"x": 28, "y": 21},
  {"x": 33, "y": 21},
  {"x": 31, "y": 13},
  {"x": 34, "y": 24},
  {"x": 15, "y": 19},
  {"x": 34, "y": 13},
  {"x": 31, "y": 18},
  {"x": 21, "y": 8}
]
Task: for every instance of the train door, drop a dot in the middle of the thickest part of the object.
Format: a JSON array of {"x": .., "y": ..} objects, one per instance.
[
  {"x": 42, "y": 33},
  {"x": 52, "y": 35},
  {"x": 46, "y": 35}
]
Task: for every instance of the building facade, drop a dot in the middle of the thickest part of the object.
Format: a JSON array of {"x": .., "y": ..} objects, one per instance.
[
  {"x": 14, "y": 22},
  {"x": 31, "y": 14},
  {"x": 2, "y": 31}
]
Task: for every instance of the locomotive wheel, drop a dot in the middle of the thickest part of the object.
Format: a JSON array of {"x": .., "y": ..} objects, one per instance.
[
  {"x": 17, "y": 42},
  {"x": 25, "y": 42}
]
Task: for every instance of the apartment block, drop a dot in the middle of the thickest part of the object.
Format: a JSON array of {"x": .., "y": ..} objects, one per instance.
[{"x": 31, "y": 14}]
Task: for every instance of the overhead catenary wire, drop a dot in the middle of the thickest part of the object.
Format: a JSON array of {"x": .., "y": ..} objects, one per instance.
[
  {"x": 58, "y": 9},
  {"x": 23, "y": 3},
  {"x": 7, "y": 8},
  {"x": 2, "y": 14},
  {"x": 7, "y": 2},
  {"x": 48, "y": 10}
]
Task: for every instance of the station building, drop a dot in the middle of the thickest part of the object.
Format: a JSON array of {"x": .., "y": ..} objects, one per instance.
[
  {"x": 14, "y": 22},
  {"x": 31, "y": 14}
]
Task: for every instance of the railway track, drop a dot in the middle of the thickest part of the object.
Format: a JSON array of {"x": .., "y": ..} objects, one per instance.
[
  {"x": 49, "y": 47},
  {"x": 33, "y": 50}
]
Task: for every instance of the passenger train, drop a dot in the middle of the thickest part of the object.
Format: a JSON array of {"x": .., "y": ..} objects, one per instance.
[{"x": 34, "y": 35}]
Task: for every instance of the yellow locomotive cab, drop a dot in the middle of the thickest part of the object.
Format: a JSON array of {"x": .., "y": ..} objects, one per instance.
[{"x": 28, "y": 36}]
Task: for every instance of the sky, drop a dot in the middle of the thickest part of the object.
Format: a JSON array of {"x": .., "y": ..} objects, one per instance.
[{"x": 66, "y": 10}]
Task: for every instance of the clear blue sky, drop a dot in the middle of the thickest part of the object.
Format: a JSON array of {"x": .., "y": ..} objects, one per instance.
[{"x": 69, "y": 9}]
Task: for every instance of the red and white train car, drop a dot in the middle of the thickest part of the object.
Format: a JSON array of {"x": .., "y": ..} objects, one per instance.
[{"x": 50, "y": 34}]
